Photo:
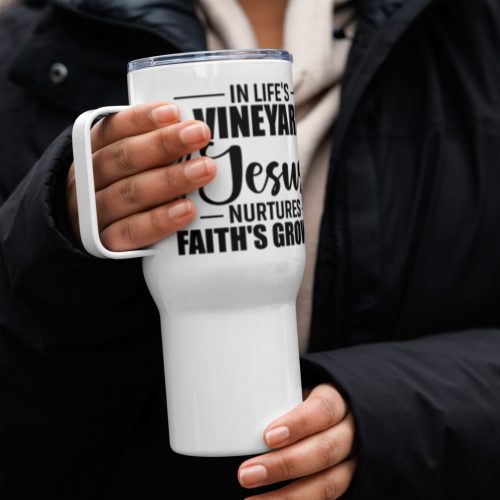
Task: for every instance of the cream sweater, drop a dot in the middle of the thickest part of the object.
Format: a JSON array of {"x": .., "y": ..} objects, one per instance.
[
  {"x": 6, "y": 3},
  {"x": 319, "y": 63}
]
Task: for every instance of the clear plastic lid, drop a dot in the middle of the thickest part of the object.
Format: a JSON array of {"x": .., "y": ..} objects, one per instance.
[{"x": 217, "y": 55}]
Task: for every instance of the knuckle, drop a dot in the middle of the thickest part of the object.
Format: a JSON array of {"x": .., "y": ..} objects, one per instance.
[
  {"x": 170, "y": 182},
  {"x": 159, "y": 224},
  {"x": 329, "y": 410},
  {"x": 286, "y": 467},
  {"x": 328, "y": 452},
  {"x": 127, "y": 232},
  {"x": 139, "y": 116},
  {"x": 164, "y": 143},
  {"x": 328, "y": 489},
  {"x": 121, "y": 156},
  {"x": 135, "y": 115},
  {"x": 129, "y": 192},
  {"x": 303, "y": 423}
]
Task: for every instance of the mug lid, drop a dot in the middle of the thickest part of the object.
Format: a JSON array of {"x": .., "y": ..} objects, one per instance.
[{"x": 209, "y": 55}]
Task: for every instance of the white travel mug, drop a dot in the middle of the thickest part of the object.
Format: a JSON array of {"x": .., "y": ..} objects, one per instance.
[{"x": 226, "y": 285}]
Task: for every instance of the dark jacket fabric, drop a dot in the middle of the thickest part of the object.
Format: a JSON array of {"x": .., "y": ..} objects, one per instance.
[{"x": 407, "y": 286}]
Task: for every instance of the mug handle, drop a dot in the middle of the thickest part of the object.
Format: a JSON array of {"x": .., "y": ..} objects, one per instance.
[{"x": 85, "y": 187}]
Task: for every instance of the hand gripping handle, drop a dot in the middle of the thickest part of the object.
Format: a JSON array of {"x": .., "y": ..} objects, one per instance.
[{"x": 85, "y": 187}]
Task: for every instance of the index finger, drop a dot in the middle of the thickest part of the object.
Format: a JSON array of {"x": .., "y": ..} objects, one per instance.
[
  {"x": 136, "y": 120},
  {"x": 323, "y": 408}
]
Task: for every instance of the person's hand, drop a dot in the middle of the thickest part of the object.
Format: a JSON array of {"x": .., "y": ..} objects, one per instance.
[
  {"x": 313, "y": 442},
  {"x": 138, "y": 176}
]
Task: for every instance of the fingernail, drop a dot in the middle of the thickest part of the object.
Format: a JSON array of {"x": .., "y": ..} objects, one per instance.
[
  {"x": 192, "y": 134},
  {"x": 253, "y": 475},
  {"x": 277, "y": 435},
  {"x": 165, "y": 113},
  {"x": 179, "y": 210},
  {"x": 199, "y": 169}
]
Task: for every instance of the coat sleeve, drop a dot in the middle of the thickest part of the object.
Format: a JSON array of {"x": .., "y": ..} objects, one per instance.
[
  {"x": 79, "y": 346},
  {"x": 54, "y": 292},
  {"x": 427, "y": 414}
]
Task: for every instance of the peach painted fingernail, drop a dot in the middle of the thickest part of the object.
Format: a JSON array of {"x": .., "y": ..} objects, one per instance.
[
  {"x": 199, "y": 169},
  {"x": 179, "y": 210},
  {"x": 165, "y": 113},
  {"x": 253, "y": 475},
  {"x": 192, "y": 134},
  {"x": 278, "y": 435}
]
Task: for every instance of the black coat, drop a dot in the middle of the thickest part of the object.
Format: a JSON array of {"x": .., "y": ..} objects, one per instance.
[{"x": 407, "y": 289}]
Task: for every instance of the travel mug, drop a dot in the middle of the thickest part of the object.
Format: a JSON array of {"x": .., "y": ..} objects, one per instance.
[{"x": 226, "y": 285}]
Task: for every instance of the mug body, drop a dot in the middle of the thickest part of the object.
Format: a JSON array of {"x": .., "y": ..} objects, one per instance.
[{"x": 226, "y": 285}]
